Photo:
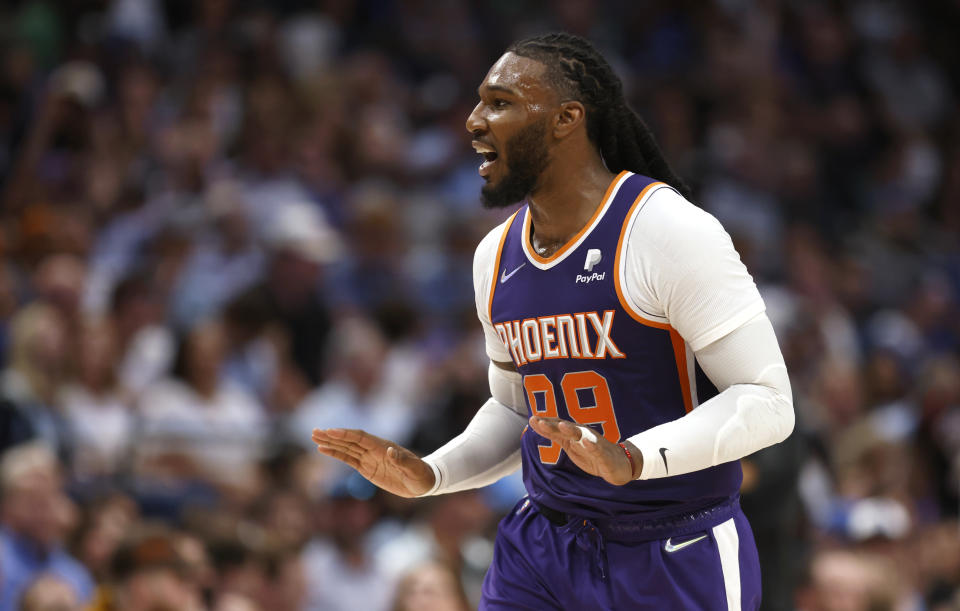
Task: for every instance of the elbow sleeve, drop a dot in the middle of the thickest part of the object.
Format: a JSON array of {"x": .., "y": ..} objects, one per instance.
[{"x": 753, "y": 410}]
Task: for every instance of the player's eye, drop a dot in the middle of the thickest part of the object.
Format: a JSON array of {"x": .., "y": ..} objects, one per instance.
[{"x": 500, "y": 103}]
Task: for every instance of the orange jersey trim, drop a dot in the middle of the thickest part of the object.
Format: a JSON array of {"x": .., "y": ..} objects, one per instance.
[
  {"x": 616, "y": 264},
  {"x": 596, "y": 213},
  {"x": 680, "y": 354},
  {"x": 496, "y": 264}
]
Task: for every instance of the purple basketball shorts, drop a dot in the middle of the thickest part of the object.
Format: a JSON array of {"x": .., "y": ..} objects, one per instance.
[{"x": 707, "y": 560}]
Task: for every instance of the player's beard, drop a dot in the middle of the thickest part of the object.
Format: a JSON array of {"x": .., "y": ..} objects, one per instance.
[{"x": 527, "y": 158}]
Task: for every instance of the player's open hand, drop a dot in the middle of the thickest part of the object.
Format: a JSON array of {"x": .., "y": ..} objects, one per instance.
[
  {"x": 385, "y": 464},
  {"x": 590, "y": 451}
]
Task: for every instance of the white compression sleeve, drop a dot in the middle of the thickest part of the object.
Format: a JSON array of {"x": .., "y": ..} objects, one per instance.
[
  {"x": 753, "y": 410},
  {"x": 489, "y": 448}
]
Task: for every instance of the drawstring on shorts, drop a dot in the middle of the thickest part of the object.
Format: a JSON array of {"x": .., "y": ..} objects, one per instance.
[{"x": 588, "y": 539}]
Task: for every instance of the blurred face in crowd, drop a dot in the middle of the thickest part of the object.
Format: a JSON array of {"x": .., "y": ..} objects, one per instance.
[
  {"x": 39, "y": 340},
  {"x": 104, "y": 533},
  {"x": 288, "y": 587},
  {"x": 353, "y": 518},
  {"x": 35, "y": 507},
  {"x": 509, "y": 128},
  {"x": 60, "y": 279},
  {"x": 432, "y": 587},
  {"x": 157, "y": 589},
  {"x": 458, "y": 516},
  {"x": 49, "y": 593},
  {"x": 136, "y": 308},
  {"x": 362, "y": 355},
  {"x": 840, "y": 582},
  {"x": 235, "y": 602},
  {"x": 205, "y": 352},
  {"x": 288, "y": 518},
  {"x": 197, "y": 566},
  {"x": 96, "y": 354}
]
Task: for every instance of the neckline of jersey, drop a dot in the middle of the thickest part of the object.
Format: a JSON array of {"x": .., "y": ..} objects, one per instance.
[{"x": 564, "y": 251}]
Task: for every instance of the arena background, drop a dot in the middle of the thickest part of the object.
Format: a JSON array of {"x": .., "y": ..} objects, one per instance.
[{"x": 225, "y": 223}]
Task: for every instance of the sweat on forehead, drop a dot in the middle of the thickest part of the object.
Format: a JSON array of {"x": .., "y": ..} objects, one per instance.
[{"x": 518, "y": 75}]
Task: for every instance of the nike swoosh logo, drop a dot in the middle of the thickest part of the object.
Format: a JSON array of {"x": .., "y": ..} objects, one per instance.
[
  {"x": 663, "y": 454},
  {"x": 505, "y": 276},
  {"x": 670, "y": 547}
]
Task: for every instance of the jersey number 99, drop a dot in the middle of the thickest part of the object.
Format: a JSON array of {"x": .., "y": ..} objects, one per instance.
[{"x": 572, "y": 385}]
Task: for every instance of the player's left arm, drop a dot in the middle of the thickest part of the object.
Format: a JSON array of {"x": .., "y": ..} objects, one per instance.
[
  {"x": 682, "y": 264},
  {"x": 753, "y": 410}
]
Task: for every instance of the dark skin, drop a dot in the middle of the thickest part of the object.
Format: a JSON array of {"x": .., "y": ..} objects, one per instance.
[{"x": 514, "y": 95}]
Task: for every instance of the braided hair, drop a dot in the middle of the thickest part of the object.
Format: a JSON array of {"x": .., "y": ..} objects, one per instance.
[{"x": 579, "y": 72}]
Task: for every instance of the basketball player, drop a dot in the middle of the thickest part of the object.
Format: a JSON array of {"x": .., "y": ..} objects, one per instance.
[{"x": 632, "y": 363}]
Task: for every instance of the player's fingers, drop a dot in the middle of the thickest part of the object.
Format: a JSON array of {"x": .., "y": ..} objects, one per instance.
[
  {"x": 340, "y": 444},
  {"x": 346, "y": 435},
  {"x": 339, "y": 455},
  {"x": 546, "y": 427},
  {"x": 588, "y": 439},
  {"x": 356, "y": 437},
  {"x": 555, "y": 429},
  {"x": 571, "y": 431},
  {"x": 328, "y": 436},
  {"x": 349, "y": 449}
]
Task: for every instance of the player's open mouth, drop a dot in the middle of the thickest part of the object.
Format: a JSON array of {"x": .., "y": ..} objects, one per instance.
[{"x": 489, "y": 157}]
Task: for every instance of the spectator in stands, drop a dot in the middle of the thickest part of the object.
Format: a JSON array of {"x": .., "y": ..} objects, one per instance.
[
  {"x": 842, "y": 580},
  {"x": 359, "y": 391},
  {"x": 103, "y": 528},
  {"x": 49, "y": 593},
  {"x": 349, "y": 575},
  {"x": 98, "y": 414},
  {"x": 148, "y": 573},
  {"x": 216, "y": 427},
  {"x": 35, "y": 517},
  {"x": 146, "y": 345},
  {"x": 430, "y": 587},
  {"x": 29, "y": 384}
]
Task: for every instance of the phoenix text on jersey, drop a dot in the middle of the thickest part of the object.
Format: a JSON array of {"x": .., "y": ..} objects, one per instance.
[{"x": 584, "y": 335}]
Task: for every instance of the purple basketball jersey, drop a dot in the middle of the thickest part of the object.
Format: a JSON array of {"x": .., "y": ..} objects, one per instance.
[{"x": 585, "y": 357}]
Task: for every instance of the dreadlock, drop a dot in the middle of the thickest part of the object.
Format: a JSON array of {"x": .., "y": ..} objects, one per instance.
[{"x": 579, "y": 72}]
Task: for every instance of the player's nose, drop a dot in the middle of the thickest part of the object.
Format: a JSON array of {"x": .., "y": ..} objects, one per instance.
[{"x": 475, "y": 123}]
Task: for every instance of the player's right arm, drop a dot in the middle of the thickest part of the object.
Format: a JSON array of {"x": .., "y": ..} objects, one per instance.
[{"x": 487, "y": 450}]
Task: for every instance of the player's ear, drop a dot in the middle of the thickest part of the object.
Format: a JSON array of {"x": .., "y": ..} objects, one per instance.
[{"x": 570, "y": 117}]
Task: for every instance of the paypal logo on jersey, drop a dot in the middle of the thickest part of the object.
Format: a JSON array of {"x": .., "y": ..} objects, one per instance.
[
  {"x": 590, "y": 278},
  {"x": 593, "y": 257}
]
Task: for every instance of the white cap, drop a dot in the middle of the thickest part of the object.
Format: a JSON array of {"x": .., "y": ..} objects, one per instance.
[
  {"x": 301, "y": 227},
  {"x": 81, "y": 79}
]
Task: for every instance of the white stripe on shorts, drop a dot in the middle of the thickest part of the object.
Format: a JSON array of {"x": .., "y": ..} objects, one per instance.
[{"x": 728, "y": 544}]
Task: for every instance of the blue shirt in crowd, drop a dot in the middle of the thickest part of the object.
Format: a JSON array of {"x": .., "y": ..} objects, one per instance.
[{"x": 21, "y": 562}]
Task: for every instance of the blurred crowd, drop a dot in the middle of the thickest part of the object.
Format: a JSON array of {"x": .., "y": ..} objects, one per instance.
[{"x": 226, "y": 222}]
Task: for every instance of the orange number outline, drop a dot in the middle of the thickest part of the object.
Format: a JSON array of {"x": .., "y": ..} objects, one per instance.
[{"x": 601, "y": 412}]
